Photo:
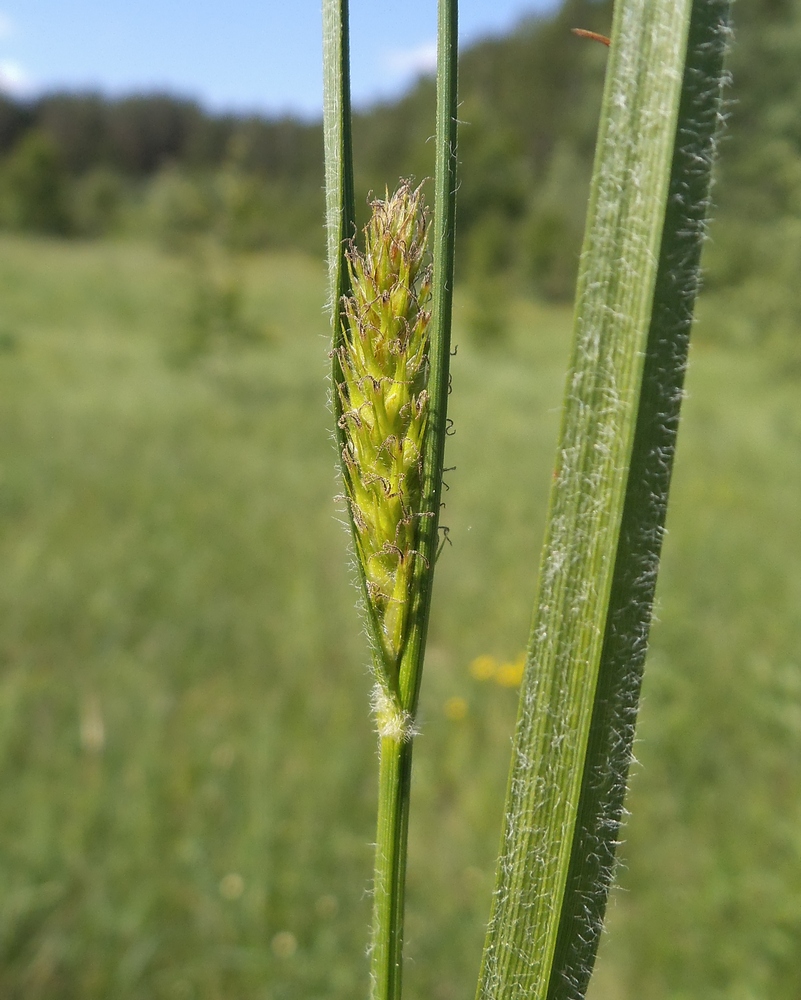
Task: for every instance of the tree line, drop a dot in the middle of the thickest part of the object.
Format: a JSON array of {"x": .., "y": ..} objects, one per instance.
[{"x": 84, "y": 165}]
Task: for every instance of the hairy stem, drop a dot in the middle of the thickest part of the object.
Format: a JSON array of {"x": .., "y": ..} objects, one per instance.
[{"x": 394, "y": 781}]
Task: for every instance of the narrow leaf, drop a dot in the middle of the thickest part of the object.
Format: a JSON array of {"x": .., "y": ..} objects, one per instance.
[
  {"x": 642, "y": 529},
  {"x": 581, "y": 571}
]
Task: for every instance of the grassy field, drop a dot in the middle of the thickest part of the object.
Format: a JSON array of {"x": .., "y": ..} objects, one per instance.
[{"x": 187, "y": 789}]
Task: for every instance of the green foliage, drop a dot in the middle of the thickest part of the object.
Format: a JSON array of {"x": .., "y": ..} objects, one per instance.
[
  {"x": 139, "y": 136},
  {"x": 714, "y": 804},
  {"x": 553, "y": 226},
  {"x": 246, "y": 215},
  {"x": 161, "y": 165},
  {"x": 181, "y": 208},
  {"x": 98, "y": 202},
  {"x": 487, "y": 314},
  {"x": 217, "y": 318},
  {"x": 241, "y": 211},
  {"x": 529, "y": 108},
  {"x": 258, "y": 214},
  {"x": 34, "y": 180}
]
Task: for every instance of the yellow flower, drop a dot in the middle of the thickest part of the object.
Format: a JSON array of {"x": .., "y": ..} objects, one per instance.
[
  {"x": 507, "y": 674},
  {"x": 455, "y": 708},
  {"x": 483, "y": 667},
  {"x": 511, "y": 674}
]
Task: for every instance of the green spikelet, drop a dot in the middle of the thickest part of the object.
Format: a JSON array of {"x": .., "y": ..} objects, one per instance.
[{"x": 383, "y": 358}]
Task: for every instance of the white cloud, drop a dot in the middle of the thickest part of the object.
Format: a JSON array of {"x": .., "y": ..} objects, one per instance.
[
  {"x": 13, "y": 79},
  {"x": 6, "y": 26},
  {"x": 413, "y": 62}
]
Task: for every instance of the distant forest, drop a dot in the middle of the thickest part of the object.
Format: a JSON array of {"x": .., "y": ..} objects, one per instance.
[{"x": 82, "y": 165}]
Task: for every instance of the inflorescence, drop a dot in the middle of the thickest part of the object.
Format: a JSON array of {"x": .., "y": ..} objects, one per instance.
[{"x": 383, "y": 360}]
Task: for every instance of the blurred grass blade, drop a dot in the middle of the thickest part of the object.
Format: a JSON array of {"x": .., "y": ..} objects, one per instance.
[{"x": 596, "y": 586}]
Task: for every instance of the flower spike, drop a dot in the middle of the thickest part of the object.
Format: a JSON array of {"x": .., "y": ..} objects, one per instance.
[{"x": 383, "y": 360}]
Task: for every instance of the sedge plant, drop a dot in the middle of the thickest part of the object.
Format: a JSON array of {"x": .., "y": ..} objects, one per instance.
[
  {"x": 638, "y": 278},
  {"x": 391, "y": 318}
]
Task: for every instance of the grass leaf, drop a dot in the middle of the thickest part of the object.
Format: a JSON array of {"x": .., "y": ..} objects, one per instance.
[{"x": 637, "y": 284}]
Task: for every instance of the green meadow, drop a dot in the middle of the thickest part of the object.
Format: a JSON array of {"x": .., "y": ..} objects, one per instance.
[{"x": 188, "y": 764}]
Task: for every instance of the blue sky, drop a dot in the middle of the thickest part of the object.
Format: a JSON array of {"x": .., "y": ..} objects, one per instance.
[{"x": 240, "y": 55}]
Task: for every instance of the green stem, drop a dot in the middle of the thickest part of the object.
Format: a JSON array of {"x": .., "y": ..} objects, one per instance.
[
  {"x": 340, "y": 222},
  {"x": 340, "y": 203},
  {"x": 396, "y": 755},
  {"x": 439, "y": 355},
  {"x": 394, "y": 780}
]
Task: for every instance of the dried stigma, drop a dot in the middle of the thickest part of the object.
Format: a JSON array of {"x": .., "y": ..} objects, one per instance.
[{"x": 592, "y": 35}]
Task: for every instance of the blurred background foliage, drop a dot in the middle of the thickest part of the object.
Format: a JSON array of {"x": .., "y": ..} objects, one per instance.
[
  {"x": 86, "y": 166},
  {"x": 187, "y": 761}
]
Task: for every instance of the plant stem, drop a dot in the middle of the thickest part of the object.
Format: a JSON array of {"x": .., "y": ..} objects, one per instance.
[
  {"x": 394, "y": 780},
  {"x": 439, "y": 355},
  {"x": 340, "y": 202}
]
